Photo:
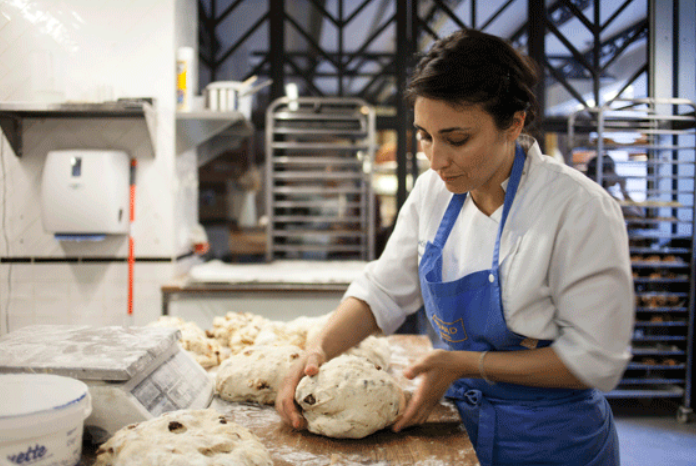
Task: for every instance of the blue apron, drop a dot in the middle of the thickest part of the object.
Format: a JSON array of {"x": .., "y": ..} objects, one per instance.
[{"x": 509, "y": 424}]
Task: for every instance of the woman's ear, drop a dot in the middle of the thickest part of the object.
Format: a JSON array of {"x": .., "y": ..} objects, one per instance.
[{"x": 517, "y": 124}]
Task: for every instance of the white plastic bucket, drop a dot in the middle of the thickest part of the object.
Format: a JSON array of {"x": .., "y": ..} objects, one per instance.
[{"x": 41, "y": 419}]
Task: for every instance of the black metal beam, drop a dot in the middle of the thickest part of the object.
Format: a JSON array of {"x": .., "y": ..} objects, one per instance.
[
  {"x": 558, "y": 13},
  {"x": 495, "y": 15},
  {"x": 612, "y": 48},
  {"x": 276, "y": 42},
  {"x": 245, "y": 36},
  {"x": 536, "y": 50},
  {"x": 403, "y": 51}
]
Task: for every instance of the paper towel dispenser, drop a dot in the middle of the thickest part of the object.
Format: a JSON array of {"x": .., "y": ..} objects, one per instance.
[{"x": 86, "y": 192}]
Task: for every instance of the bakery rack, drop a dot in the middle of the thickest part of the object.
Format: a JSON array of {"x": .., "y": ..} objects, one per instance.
[
  {"x": 319, "y": 195},
  {"x": 653, "y": 147}
]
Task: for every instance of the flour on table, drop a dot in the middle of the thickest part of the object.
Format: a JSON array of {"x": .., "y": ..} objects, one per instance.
[
  {"x": 256, "y": 373},
  {"x": 184, "y": 438},
  {"x": 349, "y": 398}
]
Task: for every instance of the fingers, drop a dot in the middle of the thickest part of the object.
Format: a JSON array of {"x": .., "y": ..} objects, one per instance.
[
  {"x": 314, "y": 360},
  {"x": 285, "y": 400},
  {"x": 285, "y": 404},
  {"x": 289, "y": 412},
  {"x": 417, "y": 412},
  {"x": 416, "y": 369}
]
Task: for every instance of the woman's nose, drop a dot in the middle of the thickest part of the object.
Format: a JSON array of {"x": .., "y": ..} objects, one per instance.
[{"x": 438, "y": 157}]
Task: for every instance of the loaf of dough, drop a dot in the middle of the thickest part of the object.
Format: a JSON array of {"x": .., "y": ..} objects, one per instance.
[
  {"x": 256, "y": 373},
  {"x": 184, "y": 438},
  {"x": 349, "y": 398},
  {"x": 237, "y": 330},
  {"x": 206, "y": 351},
  {"x": 375, "y": 349}
]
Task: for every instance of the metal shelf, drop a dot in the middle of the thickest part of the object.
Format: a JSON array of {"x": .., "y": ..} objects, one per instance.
[
  {"x": 318, "y": 161},
  {"x": 195, "y": 128},
  {"x": 320, "y": 146},
  {"x": 650, "y": 367},
  {"x": 652, "y": 392},
  {"x": 13, "y": 115},
  {"x": 663, "y": 175},
  {"x": 319, "y": 154},
  {"x": 656, "y": 351},
  {"x": 661, "y": 250}
]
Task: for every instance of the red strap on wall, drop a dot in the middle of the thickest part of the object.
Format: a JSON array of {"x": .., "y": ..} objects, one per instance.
[{"x": 131, "y": 253}]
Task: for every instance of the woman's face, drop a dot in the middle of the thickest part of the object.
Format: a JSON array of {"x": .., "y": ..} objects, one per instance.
[{"x": 464, "y": 145}]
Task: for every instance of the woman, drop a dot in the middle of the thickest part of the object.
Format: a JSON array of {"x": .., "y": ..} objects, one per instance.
[
  {"x": 522, "y": 264},
  {"x": 610, "y": 179}
]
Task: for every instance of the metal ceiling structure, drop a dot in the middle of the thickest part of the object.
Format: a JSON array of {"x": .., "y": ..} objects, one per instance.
[{"x": 366, "y": 48}]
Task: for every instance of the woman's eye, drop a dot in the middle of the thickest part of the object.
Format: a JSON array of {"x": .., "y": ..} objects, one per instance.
[
  {"x": 458, "y": 142},
  {"x": 422, "y": 137}
]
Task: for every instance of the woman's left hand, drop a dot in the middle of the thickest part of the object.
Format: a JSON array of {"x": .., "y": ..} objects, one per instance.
[{"x": 439, "y": 369}]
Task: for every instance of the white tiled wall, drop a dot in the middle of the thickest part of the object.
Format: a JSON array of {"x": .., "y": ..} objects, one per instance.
[
  {"x": 89, "y": 294},
  {"x": 92, "y": 51}
]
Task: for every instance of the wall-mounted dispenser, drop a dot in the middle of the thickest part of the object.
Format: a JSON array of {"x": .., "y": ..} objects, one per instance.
[{"x": 86, "y": 192}]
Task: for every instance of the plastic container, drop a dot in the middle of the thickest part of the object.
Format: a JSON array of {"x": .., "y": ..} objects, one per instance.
[
  {"x": 41, "y": 419},
  {"x": 184, "y": 78},
  {"x": 222, "y": 96}
]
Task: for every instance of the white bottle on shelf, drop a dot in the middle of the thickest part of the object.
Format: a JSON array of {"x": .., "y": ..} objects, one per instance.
[{"x": 184, "y": 78}]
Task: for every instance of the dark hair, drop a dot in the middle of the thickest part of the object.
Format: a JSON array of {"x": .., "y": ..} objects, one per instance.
[
  {"x": 608, "y": 166},
  {"x": 472, "y": 67}
]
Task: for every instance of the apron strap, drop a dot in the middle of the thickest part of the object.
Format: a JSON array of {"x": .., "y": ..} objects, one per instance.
[
  {"x": 451, "y": 214},
  {"x": 474, "y": 401},
  {"x": 513, "y": 183}
]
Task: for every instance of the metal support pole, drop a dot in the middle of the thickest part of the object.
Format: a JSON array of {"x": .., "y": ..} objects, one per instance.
[
  {"x": 661, "y": 59},
  {"x": 596, "y": 65},
  {"x": 536, "y": 30},
  {"x": 212, "y": 40},
  {"x": 402, "y": 112},
  {"x": 276, "y": 41}
]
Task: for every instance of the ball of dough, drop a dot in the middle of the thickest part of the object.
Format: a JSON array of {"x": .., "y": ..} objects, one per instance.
[
  {"x": 184, "y": 438},
  {"x": 237, "y": 330},
  {"x": 206, "y": 351},
  {"x": 256, "y": 373},
  {"x": 375, "y": 349},
  {"x": 349, "y": 398}
]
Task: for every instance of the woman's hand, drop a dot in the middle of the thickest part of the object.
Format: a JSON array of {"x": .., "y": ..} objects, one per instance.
[
  {"x": 439, "y": 369},
  {"x": 308, "y": 364}
]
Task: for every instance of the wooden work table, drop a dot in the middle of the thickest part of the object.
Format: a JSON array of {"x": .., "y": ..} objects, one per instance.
[{"x": 441, "y": 441}]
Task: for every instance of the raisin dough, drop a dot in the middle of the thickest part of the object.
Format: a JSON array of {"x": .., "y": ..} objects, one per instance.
[
  {"x": 256, "y": 373},
  {"x": 240, "y": 330},
  {"x": 184, "y": 438},
  {"x": 349, "y": 398},
  {"x": 375, "y": 349},
  {"x": 206, "y": 351}
]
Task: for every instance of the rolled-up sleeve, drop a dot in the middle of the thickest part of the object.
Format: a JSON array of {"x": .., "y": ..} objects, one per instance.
[
  {"x": 390, "y": 285},
  {"x": 592, "y": 286}
]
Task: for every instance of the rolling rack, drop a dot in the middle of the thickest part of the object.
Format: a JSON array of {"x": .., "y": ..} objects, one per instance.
[
  {"x": 319, "y": 196},
  {"x": 652, "y": 145}
]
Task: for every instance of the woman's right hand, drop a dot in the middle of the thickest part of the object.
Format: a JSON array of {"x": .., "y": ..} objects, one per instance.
[{"x": 289, "y": 411}]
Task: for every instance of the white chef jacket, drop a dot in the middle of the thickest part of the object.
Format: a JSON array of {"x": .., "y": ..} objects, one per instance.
[{"x": 564, "y": 264}]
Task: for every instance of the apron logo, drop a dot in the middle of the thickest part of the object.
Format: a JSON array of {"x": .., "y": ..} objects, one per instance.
[{"x": 452, "y": 332}]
